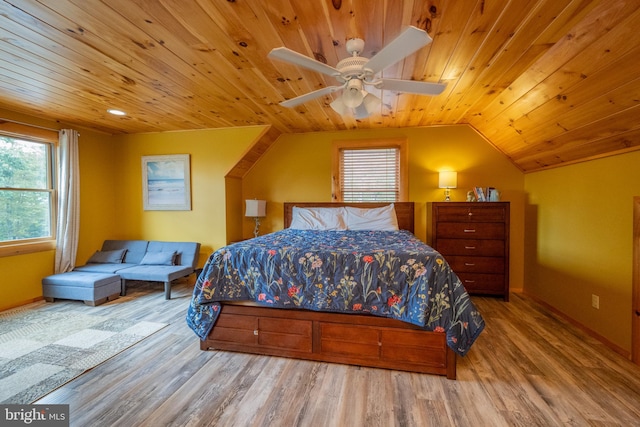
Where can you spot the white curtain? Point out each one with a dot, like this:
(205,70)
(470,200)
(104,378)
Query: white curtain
(68,201)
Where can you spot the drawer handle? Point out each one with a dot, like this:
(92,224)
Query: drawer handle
(469,264)
(469,230)
(469,281)
(469,247)
(255,332)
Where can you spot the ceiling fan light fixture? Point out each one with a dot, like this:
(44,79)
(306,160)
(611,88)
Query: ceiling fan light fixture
(339,107)
(371,103)
(356,71)
(353,94)
(360,112)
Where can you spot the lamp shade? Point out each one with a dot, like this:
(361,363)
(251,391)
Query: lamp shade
(448,179)
(339,107)
(352,95)
(370,103)
(368,106)
(256,208)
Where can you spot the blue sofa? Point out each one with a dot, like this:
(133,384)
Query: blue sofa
(124,260)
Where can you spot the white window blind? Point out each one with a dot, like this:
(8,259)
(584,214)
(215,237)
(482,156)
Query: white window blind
(370,175)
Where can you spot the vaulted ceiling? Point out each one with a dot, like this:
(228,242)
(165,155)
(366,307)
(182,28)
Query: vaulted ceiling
(547,82)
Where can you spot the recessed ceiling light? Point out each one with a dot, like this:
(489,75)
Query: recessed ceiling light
(116,112)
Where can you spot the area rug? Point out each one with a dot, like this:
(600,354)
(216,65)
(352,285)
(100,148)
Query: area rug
(41,349)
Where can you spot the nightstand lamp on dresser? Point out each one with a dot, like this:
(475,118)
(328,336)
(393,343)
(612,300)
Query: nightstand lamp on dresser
(474,239)
(447,180)
(256,209)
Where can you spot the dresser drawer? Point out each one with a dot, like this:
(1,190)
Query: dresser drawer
(360,341)
(460,230)
(479,213)
(477,282)
(266,331)
(285,333)
(401,346)
(466,264)
(469,247)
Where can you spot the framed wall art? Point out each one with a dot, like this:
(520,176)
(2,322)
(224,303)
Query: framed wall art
(166,183)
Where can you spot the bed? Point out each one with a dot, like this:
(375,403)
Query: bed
(345,293)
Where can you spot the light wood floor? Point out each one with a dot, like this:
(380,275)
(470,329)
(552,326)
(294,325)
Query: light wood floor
(528,368)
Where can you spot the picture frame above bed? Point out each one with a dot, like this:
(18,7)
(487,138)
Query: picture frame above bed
(166,183)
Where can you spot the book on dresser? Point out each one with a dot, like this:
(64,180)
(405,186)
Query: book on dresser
(474,239)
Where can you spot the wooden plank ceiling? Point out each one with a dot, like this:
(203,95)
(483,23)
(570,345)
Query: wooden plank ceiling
(548,82)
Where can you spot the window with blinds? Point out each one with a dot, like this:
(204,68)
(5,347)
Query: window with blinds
(370,175)
(372,170)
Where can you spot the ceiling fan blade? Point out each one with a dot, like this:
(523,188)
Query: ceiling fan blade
(288,55)
(309,96)
(405,44)
(411,86)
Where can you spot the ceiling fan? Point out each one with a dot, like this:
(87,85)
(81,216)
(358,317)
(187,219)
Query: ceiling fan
(355,72)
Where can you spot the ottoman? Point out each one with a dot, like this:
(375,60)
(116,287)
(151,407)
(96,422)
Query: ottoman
(92,288)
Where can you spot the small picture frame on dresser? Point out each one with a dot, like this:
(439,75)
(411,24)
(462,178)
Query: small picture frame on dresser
(479,192)
(493,195)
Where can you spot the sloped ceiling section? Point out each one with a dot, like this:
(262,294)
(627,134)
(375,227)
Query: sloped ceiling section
(262,143)
(548,82)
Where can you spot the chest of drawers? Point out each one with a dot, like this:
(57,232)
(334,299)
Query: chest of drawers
(474,239)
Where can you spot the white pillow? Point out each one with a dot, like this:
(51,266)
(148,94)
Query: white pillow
(383,218)
(318,219)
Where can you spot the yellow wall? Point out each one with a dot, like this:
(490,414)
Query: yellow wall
(21,277)
(579,241)
(212,154)
(298,168)
(98,195)
(235,209)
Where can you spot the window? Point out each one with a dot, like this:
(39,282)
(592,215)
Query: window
(370,171)
(27,192)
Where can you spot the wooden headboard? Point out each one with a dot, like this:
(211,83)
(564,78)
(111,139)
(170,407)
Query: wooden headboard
(404,210)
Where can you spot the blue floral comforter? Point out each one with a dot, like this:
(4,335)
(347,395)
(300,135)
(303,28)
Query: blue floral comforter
(384,273)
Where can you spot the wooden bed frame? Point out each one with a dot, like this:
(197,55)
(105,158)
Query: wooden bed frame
(352,339)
